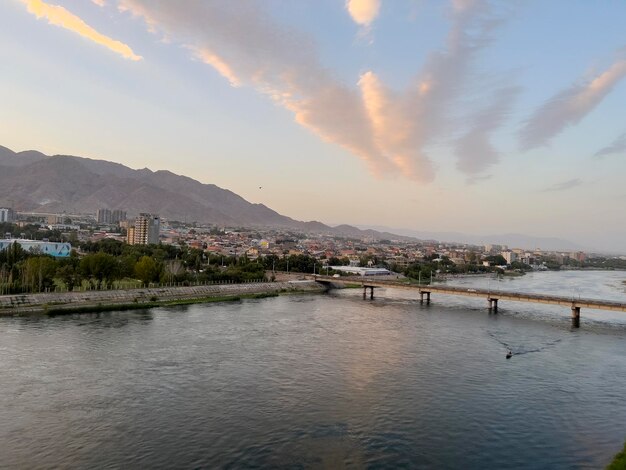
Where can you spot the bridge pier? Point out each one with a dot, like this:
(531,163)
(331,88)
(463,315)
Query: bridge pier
(575,316)
(425,291)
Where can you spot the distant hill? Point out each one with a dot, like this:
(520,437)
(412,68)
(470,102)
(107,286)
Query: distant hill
(512,240)
(37,182)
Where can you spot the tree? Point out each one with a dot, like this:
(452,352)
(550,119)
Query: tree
(521,266)
(100,267)
(367,261)
(419,271)
(173,270)
(334,261)
(69,275)
(13,254)
(147,270)
(38,273)
(496,260)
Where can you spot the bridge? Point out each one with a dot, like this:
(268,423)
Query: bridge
(492,296)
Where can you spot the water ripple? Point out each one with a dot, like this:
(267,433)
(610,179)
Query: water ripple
(309,382)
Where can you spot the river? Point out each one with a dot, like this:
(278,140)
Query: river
(321,381)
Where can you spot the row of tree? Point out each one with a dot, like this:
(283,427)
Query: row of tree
(107,264)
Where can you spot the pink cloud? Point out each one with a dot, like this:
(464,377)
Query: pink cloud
(389,131)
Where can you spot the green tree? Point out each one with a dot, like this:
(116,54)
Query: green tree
(13,254)
(147,270)
(521,266)
(496,260)
(38,273)
(420,271)
(100,268)
(69,275)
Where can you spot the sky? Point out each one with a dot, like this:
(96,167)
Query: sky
(466,115)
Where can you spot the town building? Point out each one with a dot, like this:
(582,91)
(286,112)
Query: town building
(118,216)
(145,230)
(362,271)
(103,216)
(6,214)
(108,216)
(509,256)
(44,247)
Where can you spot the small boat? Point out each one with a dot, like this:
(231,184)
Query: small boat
(509,354)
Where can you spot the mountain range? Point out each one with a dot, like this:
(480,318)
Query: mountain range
(512,240)
(33,181)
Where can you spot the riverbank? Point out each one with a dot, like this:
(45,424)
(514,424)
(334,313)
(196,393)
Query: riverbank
(107,300)
(619,462)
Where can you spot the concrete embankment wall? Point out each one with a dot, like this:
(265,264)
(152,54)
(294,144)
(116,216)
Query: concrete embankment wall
(20,304)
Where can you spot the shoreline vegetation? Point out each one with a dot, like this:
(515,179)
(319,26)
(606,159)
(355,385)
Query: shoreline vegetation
(619,462)
(153,304)
(54,304)
(110,264)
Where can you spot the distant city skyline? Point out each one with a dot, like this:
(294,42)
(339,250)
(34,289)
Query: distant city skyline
(466,116)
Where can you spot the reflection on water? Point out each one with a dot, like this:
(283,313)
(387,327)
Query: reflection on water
(313,381)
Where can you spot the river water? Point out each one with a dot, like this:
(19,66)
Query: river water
(321,381)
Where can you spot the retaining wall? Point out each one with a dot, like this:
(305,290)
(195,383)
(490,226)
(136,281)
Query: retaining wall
(19,304)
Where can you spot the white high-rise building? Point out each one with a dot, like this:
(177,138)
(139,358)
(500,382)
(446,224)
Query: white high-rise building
(509,256)
(6,214)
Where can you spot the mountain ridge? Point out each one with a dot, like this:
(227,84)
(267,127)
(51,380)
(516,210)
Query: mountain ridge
(34,181)
(512,240)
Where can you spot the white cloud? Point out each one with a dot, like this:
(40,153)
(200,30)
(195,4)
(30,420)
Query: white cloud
(363,12)
(474,150)
(570,106)
(617,146)
(471,180)
(563,186)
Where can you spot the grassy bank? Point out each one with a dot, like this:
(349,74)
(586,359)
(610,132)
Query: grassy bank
(54,311)
(619,462)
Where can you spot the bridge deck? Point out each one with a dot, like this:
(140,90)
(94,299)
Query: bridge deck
(482,293)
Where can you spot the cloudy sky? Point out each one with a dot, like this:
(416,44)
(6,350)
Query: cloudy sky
(468,115)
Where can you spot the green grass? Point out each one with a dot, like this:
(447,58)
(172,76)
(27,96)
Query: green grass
(619,462)
(513,274)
